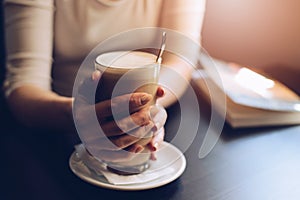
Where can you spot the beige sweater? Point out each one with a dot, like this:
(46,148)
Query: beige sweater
(46,40)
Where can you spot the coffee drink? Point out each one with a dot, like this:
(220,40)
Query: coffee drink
(126,72)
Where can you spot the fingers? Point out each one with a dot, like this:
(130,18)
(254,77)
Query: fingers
(121,155)
(137,119)
(120,142)
(135,100)
(121,104)
(155,142)
(126,140)
(125,104)
(158,116)
(126,131)
(92,128)
(157,139)
(121,132)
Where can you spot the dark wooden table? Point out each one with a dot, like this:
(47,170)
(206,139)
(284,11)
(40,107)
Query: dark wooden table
(254,164)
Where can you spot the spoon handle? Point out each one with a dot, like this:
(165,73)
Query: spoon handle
(162,47)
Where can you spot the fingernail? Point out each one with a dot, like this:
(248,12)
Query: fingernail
(139,149)
(155,145)
(160,92)
(157,126)
(153,148)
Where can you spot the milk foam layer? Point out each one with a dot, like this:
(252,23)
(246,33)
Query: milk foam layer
(125,59)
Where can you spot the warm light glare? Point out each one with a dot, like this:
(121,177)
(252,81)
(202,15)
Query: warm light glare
(253,81)
(297,107)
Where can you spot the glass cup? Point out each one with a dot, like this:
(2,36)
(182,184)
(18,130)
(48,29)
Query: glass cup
(125,72)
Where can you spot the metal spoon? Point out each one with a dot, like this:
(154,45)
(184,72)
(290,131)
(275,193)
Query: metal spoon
(162,48)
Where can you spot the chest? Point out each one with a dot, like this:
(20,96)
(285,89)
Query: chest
(81,25)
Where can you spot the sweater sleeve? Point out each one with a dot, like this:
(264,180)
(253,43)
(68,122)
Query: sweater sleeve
(184,16)
(29,43)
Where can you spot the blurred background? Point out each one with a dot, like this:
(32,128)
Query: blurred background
(256,33)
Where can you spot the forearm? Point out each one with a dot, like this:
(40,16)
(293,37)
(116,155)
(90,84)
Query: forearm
(175,77)
(29,47)
(186,18)
(35,107)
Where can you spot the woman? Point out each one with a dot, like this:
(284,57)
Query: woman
(46,41)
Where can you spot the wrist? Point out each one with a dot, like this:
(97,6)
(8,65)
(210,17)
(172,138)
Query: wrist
(66,105)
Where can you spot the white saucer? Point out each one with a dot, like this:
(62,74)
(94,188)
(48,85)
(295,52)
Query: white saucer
(167,156)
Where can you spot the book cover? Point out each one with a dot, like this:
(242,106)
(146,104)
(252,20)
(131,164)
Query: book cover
(250,98)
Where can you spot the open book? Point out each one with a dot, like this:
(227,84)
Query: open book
(250,99)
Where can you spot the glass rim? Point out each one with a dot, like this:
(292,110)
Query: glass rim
(110,64)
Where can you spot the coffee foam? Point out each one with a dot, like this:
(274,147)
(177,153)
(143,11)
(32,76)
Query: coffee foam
(126,60)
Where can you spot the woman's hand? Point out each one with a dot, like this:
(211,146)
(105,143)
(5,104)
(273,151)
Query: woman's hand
(109,137)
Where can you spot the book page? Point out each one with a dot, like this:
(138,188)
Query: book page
(249,88)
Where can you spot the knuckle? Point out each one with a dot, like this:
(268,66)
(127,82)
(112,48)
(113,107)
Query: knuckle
(115,146)
(134,97)
(118,143)
(142,118)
